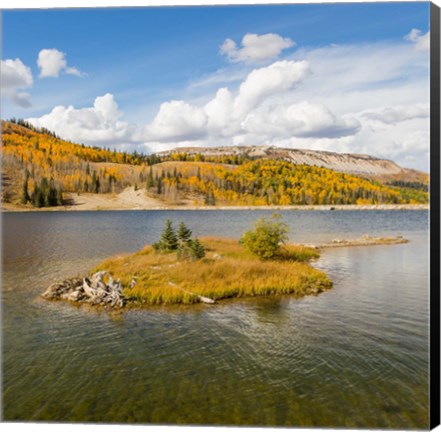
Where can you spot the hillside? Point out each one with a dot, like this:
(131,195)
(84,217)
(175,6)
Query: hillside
(357,164)
(42,170)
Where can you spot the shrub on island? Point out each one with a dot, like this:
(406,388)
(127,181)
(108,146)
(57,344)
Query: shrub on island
(266,239)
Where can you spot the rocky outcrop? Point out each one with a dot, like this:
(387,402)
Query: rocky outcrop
(358,164)
(91,290)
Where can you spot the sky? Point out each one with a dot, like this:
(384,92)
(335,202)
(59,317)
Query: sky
(350,78)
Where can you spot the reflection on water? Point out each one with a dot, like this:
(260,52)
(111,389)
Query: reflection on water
(355,356)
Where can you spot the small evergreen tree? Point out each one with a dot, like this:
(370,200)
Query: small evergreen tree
(191,250)
(25,194)
(52,194)
(182,243)
(184,233)
(95,186)
(197,249)
(159,186)
(150,179)
(37,197)
(169,241)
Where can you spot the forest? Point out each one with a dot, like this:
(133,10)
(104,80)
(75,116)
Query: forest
(41,169)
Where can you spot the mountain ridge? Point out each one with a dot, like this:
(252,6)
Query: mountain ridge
(351,163)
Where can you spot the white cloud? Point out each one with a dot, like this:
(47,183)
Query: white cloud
(177,121)
(255,48)
(303,119)
(420,39)
(406,143)
(219,111)
(220,77)
(52,62)
(268,81)
(16,77)
(333,98)
(396,114)
(97,125)
(223,116)
(391,102)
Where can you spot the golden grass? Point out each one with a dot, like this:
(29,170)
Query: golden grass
(227,271)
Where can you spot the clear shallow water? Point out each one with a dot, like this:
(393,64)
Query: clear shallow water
(354,356)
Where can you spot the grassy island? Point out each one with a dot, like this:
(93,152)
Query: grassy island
(227,270)
(181,269)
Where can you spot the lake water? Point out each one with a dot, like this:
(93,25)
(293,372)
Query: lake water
(355,356)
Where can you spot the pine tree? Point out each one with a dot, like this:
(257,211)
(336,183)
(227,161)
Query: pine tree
(37,197)
(169,241)
(95,183)
(25,194)
(159,186)
(184,233)
(52,193)
(197,249)
(150,180)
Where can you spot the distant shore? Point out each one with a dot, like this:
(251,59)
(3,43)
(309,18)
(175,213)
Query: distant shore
(131,199)
(12,208)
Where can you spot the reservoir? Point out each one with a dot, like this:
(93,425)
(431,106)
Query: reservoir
(354,356)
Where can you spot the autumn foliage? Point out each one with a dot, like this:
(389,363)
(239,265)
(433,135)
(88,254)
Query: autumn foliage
(46,170)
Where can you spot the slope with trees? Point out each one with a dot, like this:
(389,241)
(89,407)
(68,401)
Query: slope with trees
(42,170)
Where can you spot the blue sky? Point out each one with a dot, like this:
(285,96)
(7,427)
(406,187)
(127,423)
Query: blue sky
(156,70)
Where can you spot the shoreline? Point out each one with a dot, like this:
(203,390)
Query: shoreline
(10,208)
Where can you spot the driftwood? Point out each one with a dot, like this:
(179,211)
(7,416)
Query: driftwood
(88,290)
(201,298)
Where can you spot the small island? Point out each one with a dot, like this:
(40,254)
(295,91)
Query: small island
(180,269)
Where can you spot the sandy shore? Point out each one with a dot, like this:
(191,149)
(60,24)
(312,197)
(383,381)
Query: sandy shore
(129,199)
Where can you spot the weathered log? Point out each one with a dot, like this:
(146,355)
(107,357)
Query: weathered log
(91,290)
(202,299)
(97,277)
(59,288)
(206,300)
